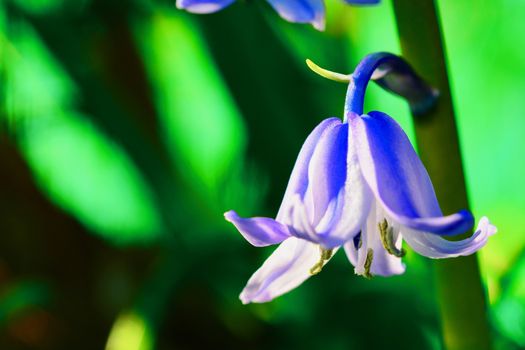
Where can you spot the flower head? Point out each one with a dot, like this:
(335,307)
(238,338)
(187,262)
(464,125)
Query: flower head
(297,11)
(360,185)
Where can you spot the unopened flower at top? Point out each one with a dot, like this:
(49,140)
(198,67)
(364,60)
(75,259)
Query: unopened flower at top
(297,11)
(356,184)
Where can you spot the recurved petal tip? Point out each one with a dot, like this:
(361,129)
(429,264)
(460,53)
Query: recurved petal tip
(486,226)
(259,231)
(319,23)
(243,299)
(433,246)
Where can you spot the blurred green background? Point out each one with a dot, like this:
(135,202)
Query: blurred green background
(128,127)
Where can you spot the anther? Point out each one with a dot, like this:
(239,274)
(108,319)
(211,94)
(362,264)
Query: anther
(368,263)
(387,238)
(325,255)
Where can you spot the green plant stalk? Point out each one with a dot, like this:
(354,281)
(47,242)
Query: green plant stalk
(459,288)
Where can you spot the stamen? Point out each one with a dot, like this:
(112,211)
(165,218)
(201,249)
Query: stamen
(387,238)
(325,73)
(325,255)
(368,263)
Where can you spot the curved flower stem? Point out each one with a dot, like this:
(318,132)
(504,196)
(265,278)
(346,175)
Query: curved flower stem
(459,287)
(394,74)
(355,97)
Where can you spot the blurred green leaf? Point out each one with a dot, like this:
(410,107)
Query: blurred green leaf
(77,166)
(203,127)
(91,177)
(19,297)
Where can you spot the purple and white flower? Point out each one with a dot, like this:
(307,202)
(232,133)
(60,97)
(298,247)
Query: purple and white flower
(357,184)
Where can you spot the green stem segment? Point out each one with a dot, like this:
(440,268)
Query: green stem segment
(460,291)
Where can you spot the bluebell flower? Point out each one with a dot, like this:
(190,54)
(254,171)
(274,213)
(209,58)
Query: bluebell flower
(357,184)
(297,11)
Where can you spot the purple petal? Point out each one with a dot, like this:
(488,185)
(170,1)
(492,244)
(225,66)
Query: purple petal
(363,2)
(260,232)
(301,11)
(203,6)
(398,179)
(347,213)
(336,199)
(326,171)
(301,226)
(433,246)
(285,269)
(298,182)
(449,225)
(383,263)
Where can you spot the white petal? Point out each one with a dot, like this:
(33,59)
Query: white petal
(433,246)
(344,219)
(287,267)
(383,263)
(299,221)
